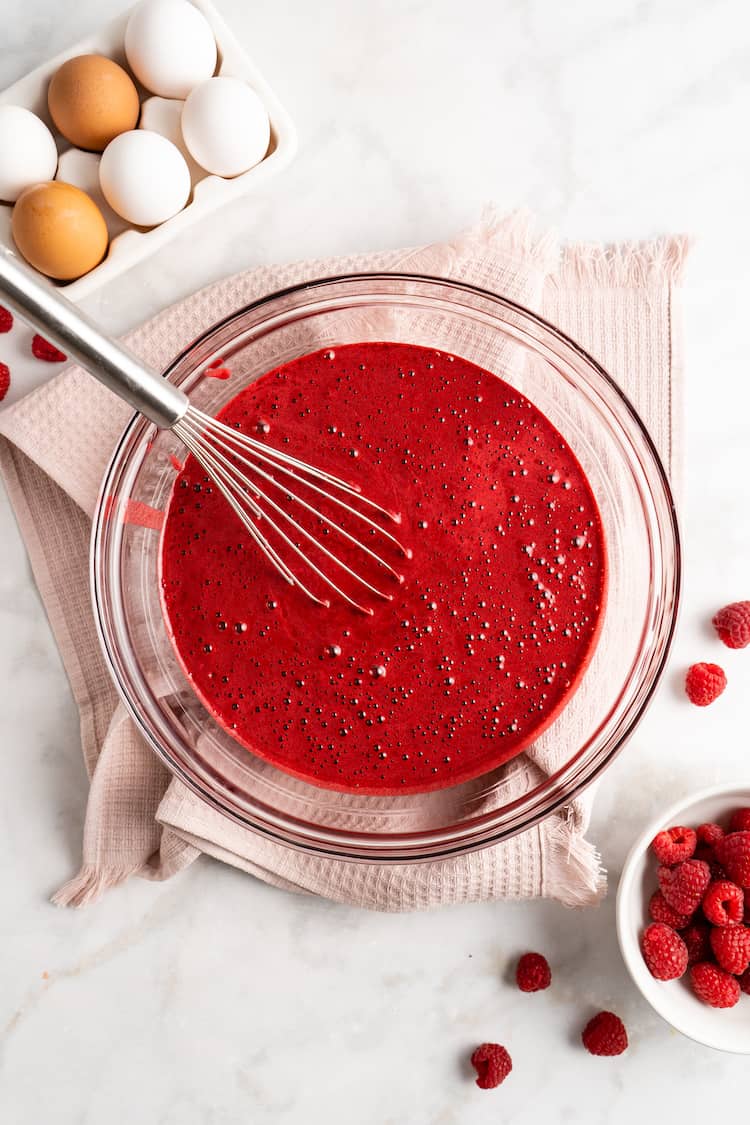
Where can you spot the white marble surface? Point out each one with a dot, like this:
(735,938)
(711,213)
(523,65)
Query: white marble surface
(214,999)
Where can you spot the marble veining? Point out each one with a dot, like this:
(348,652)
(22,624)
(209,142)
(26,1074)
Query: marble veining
(215,999)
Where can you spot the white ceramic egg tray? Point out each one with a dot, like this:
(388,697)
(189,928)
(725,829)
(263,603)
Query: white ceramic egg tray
(127,247)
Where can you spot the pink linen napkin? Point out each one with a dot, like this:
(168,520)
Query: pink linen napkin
(618,301)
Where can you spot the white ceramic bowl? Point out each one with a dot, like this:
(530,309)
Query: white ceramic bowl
(726,1029)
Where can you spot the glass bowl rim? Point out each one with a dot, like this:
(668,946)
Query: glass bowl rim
(411,847)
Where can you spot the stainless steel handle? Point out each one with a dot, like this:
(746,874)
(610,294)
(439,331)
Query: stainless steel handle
(65,325)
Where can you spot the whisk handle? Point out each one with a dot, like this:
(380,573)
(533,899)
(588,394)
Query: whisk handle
(60,321)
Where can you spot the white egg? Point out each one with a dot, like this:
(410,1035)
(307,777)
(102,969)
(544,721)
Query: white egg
(170,47)
(144,177)
(28,154)
(225,126)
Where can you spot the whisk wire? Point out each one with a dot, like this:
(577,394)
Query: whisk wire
(212,444)
(279,460)
(228,489)
(221,470)
(259,447)
(290,495)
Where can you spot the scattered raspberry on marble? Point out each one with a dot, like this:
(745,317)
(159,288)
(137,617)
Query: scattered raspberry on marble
(42,349)
(664,952)
(605,1035)
(732,623)
(660,911)
(4,380)
(6,319)
(684,886)
(731,946)
(704,683)
(733,853)
(533,973)
(740,821)
(492,1063)
(744,982)
(724,903)
(714,986)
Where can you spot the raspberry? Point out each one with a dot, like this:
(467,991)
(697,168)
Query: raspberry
(704,683)
(732,623)
(492,1063)
(659,910)
(708,856)
(713,986)
(42,349)
(709,833)
(673,845)
(724,903)
(684,886)
(696,938)
(605,1034)
(740,821)
(733,853)
(533,973)
(6,319)
(4,380)
(731,946)
(744,982)
(664,952)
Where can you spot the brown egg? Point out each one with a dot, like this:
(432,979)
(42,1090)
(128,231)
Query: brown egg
(91,100)
(59,230)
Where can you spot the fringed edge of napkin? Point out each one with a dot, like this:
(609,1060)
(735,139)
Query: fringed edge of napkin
(622,265)
(512,238)
(92,880)
(571,862)
(515,235)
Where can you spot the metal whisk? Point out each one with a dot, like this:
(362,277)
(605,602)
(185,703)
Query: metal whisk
(267,489)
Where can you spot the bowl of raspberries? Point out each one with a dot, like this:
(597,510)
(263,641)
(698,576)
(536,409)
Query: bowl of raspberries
(683,917)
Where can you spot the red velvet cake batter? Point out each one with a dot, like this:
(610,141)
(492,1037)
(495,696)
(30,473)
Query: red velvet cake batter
(489,633)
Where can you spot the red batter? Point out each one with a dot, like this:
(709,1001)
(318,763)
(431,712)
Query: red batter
(486,638)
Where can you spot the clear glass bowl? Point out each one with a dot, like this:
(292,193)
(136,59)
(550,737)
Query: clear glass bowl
(637,509)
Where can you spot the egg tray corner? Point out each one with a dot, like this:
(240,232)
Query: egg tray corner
(209,193)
